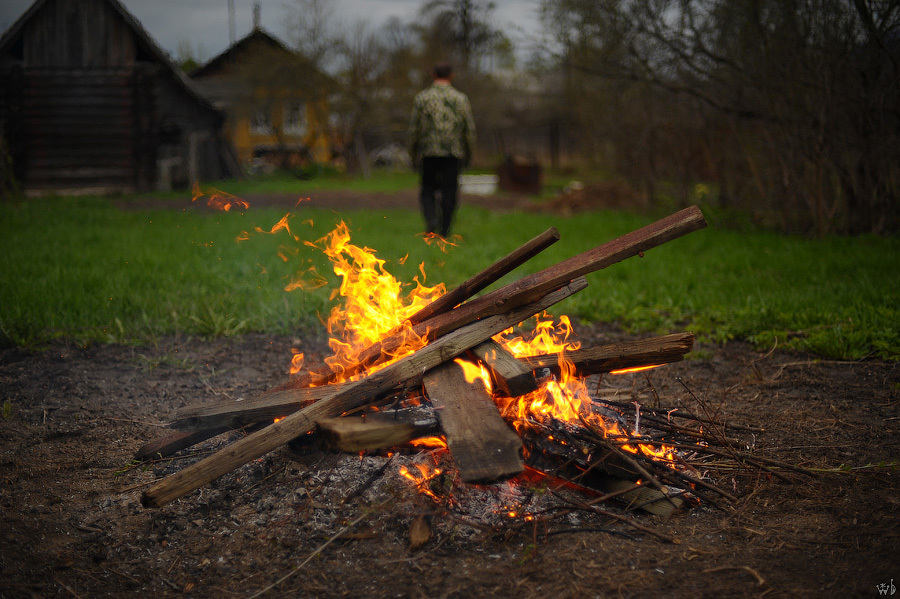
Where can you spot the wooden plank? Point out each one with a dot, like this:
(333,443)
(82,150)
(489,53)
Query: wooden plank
(235,414)
(483,447)
(352,396)
(175,442)
(631,244)
(509,376)
(377,431)
(654,501)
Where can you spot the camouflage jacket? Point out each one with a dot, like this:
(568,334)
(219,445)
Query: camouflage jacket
(441,124)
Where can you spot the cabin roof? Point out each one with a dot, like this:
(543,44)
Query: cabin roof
(144,40)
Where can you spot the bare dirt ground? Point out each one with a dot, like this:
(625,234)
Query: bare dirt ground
(72,525)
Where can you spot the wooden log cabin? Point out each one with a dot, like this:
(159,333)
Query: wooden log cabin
(90,104)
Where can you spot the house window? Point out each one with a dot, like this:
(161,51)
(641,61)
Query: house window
(295,118)
(260,123)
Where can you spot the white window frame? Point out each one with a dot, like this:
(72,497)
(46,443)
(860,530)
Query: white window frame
(260,122)
(294,118)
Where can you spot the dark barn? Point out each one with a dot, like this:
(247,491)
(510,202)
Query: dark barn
(90,104)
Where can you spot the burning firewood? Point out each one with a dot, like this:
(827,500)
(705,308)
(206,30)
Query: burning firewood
(484,447)
(523,291)
(378,430)
(324,373)
(349,397)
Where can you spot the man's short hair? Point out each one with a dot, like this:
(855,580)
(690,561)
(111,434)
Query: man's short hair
(442,70)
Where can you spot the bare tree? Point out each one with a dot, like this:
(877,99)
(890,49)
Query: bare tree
(795,102)
(313,29)
(461,30)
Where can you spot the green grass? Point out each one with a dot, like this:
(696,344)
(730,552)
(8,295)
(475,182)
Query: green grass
(380,181)
(82,270)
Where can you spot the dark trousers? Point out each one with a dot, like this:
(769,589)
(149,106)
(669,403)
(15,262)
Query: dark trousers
(439,175)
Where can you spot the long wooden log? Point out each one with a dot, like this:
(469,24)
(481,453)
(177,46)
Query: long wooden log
(324,374)
(529,288)
(353,395)
(267,406)
(619,356)
(175,442)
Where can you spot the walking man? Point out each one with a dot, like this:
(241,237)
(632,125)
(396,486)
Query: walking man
(441,142)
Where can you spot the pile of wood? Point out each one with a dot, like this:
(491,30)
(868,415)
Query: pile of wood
(483,446)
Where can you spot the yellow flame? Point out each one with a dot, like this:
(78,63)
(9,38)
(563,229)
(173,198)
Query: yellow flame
(443,243)
(373,303)
(475,372)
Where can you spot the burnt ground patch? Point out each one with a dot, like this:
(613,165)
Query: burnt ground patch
(72,523)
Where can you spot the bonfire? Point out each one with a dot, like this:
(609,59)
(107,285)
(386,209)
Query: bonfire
(494,388)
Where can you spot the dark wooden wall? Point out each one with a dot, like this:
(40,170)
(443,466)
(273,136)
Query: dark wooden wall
(87,103)
(78,33)
(86,129)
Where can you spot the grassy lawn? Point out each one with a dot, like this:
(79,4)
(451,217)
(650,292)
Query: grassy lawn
(82,270)
(380,181)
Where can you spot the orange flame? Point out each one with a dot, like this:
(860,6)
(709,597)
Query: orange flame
(475,372)
(565,397)
(430,442)
(218,200)
(296,361)
(373,302)
(422,478)
(634,369)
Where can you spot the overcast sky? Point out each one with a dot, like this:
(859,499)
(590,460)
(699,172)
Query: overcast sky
(203,24)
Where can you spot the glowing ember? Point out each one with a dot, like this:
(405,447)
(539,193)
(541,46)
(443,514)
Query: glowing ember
(422,478)
(218,200)
(441,242)
(634,369)
(430,443)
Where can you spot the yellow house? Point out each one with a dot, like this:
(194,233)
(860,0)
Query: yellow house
(275,101)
